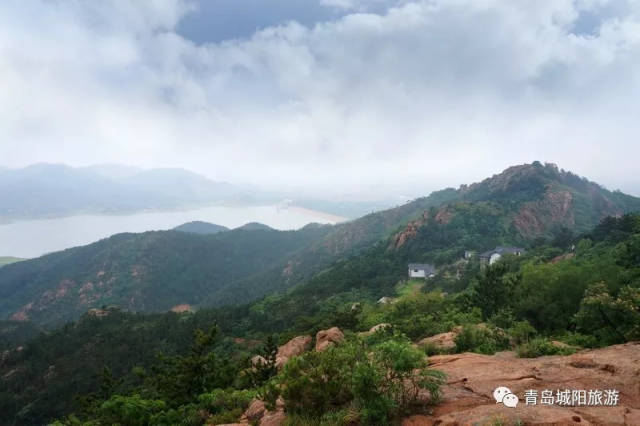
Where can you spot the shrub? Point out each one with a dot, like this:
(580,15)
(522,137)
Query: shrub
(482,339)
(540,347)
(521,331)
(226,406)
(579,339)
(378,380)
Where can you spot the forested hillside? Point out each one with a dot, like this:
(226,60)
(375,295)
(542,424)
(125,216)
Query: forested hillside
(581,291)
(524,205)
(199,227)
(153,271)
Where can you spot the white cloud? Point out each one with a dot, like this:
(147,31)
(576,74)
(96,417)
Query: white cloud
(426,94)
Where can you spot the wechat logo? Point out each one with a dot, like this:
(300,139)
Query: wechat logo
(503,395)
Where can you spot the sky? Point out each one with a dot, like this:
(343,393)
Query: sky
(372,98)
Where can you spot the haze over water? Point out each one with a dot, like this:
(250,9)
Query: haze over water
(34,238)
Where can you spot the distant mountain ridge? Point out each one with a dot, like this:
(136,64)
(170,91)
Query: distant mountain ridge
(46,190)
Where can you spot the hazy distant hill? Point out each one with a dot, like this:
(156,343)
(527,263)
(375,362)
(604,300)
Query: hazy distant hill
(254,226)
(43,190)
(6,260)
(199,227)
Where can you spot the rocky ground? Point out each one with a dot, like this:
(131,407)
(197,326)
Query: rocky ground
(471,379)
(467,397)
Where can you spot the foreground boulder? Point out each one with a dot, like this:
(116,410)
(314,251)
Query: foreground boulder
(294,347)
(327,338)
(467,398)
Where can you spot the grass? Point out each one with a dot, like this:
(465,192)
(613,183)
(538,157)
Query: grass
(8,259)
(410,287)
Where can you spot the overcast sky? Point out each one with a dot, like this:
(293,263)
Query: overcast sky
(371,96)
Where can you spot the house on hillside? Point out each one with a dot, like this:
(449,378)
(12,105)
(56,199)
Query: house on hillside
(492,256)
(421,270)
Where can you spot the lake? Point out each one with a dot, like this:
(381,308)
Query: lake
(32,238)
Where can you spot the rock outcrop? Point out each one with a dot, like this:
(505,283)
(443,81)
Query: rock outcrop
(443,341)
(327,338)
(467,398)
(257,414)
(293,347)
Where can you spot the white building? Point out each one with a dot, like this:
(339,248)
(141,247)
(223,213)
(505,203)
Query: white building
(492,256)
(421,270)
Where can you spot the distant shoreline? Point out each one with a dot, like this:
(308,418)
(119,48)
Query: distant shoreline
(327,216)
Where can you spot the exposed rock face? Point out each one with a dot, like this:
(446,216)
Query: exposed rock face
(444,341)
(471,379)
(410,231)
(537,217)
(257,413)
(185,307)
(447,341)
(293,347)
(443,216)
(258,360)
(326,338)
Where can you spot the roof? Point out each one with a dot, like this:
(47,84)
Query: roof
(503,250)
(423,266)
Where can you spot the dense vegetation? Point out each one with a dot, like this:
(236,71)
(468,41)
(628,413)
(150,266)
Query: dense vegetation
(570,290)
(199,227)
(153,271)
(586,296)
(157,271)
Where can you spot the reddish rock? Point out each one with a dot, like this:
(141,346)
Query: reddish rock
(444,341)
(258,360)
(258,414)
(418,420)
(326,338)
(273,418)
(185,307)
(467,398)
(255,411)
(293,347)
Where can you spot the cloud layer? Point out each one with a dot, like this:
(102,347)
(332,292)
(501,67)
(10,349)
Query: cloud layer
(390,96)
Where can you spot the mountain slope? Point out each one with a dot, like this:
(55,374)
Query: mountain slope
(158,270)
(153,271)
(6,260)
(53,375)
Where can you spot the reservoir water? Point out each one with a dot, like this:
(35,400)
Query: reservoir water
(32,238)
